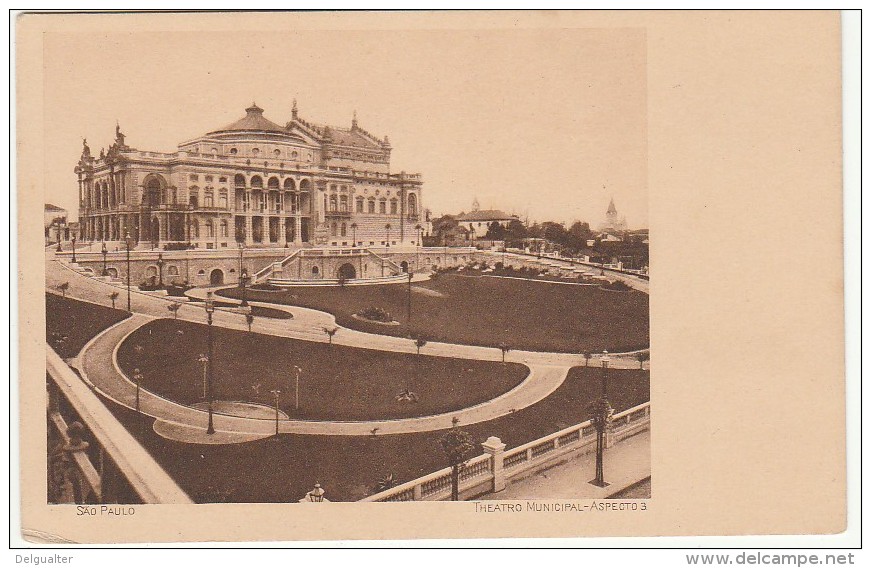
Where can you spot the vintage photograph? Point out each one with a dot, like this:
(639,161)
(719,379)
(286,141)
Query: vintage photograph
(310,266)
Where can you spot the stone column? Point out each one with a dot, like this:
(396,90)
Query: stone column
(297,233)
(496,449)
(249,232)
(282,231)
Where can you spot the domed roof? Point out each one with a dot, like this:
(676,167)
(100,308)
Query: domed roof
(253,120)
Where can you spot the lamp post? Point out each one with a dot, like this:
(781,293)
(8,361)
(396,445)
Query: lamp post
(160,269)
(244,280)
(241,253)
(601,417)
(296,396)
(354,233)
(73,240)
(137,378)
(387,226)
(408,308)
(210,310)
(104,252)
(128,242)
(605,361)
(59,248)
(204,360)
(276,392)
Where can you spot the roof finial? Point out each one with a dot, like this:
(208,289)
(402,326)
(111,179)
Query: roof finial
(354,121)
(293,111)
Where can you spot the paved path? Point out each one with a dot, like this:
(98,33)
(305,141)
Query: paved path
(98,365)
(626,463)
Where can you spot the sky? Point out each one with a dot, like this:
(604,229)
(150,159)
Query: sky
(545,124)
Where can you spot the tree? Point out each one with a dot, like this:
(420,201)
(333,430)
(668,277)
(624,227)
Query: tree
(587,357)
(113,296)
(331,331)
(641,357)
(419,342)
(173,307)
(505,349)
(495,232)
(63,288)
(385,483)
(249,319)
(457,445)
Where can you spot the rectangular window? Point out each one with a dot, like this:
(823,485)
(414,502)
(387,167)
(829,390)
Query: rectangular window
(382,207)
(393,208)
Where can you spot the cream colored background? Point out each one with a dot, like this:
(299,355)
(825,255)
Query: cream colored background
(744,178)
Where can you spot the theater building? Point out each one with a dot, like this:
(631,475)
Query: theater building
(253,182)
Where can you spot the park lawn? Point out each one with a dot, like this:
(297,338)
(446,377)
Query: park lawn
(283,469)
(78,321)
(525,314)
(337,382)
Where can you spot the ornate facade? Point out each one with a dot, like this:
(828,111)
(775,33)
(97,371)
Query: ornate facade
(253,182)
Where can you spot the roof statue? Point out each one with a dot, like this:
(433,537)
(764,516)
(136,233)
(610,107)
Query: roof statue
(612,209)
(86,150)
(475,205)
(294,111)
(354,121)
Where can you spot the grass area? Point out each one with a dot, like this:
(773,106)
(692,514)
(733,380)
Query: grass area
(283,469)
(337,382)
(525,314)
(70,324)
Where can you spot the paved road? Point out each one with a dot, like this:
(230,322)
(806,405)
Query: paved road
(98,365)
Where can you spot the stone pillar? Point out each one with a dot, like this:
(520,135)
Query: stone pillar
(249,232)
(496,449)
(282,231)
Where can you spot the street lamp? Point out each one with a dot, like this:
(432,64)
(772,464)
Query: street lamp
(276,392)
(210,310)
(244,279)
(104,252)
(137,378)
(204,360)
(601,417)
(387,226)
(241,252)
(160,262)
(74,248)
(296,400)
(410,274)
(128,241)
(58,249)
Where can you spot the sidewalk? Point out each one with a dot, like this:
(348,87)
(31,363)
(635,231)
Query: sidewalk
(626,463)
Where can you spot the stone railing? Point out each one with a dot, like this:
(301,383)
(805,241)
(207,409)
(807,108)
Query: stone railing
(490,472)
(92,457)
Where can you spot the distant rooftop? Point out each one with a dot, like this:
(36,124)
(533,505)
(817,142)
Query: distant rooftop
(485,215)
(51,207)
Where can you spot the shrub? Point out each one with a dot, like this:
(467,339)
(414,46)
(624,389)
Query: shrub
(266,287)
(375,314)
(617,286)
(177,289)
(178,246)
(499,266)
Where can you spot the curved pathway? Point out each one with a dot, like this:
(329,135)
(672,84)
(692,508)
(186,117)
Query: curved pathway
(99,367)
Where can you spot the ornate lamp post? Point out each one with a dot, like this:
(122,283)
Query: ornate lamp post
(74,247)
(204,360)
(210,310)
(160,263)
(241,252)
(128,241)
(601,412)
(276,392)
(387,226)
(354,234)
(244,280)
(410,275)
(58,249)
(137,378)
(296,397)
(104,252)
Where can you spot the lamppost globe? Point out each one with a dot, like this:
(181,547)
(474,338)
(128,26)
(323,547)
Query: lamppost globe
(316,495)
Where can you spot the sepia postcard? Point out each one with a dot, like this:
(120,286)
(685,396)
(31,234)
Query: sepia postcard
(429,275)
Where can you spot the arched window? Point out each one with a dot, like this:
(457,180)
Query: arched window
(289,185)
(294,154)
(257,181)
(371,205)
(234,151)
(272,183)
(210,228)
(305,185)
(333,203)
(382,206)
(239,180)
(209,198)
(412,204)
(333,229)
(344,231)
(224,228)
(195,229)
(276,152)
(222,199)
(194,198)
(393,206)
(343,203)
(359,201)
(255,151)
(315,271)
